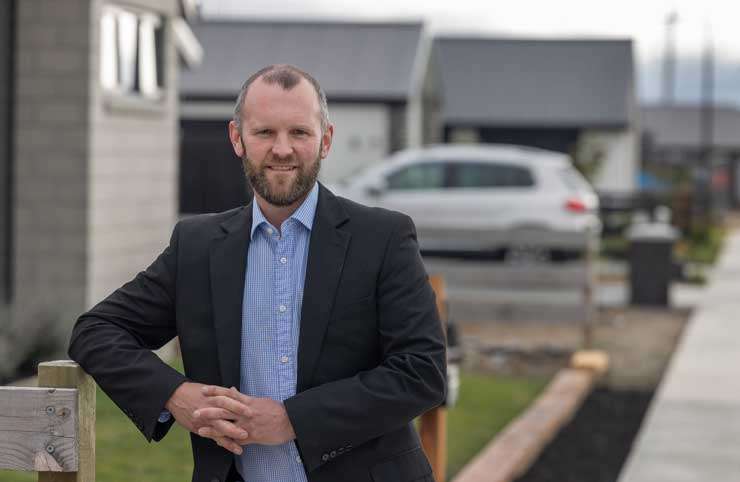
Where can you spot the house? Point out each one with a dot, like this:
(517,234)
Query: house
(376,76)
(672,136)
(88,155)
(573,96)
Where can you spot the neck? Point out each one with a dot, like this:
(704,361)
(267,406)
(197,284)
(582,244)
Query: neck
(276,215)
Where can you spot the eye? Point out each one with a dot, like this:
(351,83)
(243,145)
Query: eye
(263,132)
(300,132)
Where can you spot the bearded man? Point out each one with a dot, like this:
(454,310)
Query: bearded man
(307,325)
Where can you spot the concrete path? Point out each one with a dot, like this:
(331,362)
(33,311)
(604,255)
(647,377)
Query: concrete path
(692,430)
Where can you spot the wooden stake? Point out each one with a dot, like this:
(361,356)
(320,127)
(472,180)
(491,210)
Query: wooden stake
(433,424)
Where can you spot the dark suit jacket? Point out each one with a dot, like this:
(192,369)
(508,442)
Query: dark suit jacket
(371,353)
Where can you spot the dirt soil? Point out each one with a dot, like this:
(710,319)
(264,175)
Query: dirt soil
(639,342)
(595,444)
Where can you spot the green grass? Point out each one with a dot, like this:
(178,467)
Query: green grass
(485,405)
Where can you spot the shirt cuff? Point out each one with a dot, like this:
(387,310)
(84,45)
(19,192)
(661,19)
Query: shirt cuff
(164,417)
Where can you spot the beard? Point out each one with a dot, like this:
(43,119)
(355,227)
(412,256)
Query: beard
(277,192)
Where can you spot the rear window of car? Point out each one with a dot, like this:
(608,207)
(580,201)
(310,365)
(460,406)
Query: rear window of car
(488,174)
(430,175)
(574,180)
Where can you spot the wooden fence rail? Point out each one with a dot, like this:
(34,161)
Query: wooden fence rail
(50,429)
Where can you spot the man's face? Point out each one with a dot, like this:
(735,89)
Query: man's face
(280,142)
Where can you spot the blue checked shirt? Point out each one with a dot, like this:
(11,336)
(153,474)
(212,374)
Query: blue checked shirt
(271,314)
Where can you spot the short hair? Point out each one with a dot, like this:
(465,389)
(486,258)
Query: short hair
(287,77)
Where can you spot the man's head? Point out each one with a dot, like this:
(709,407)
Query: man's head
(281,131)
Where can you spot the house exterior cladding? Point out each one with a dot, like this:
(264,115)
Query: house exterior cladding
(88,156)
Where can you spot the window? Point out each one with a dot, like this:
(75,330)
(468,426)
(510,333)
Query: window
(418,176)
(574,181)
(488,174)
(131,53)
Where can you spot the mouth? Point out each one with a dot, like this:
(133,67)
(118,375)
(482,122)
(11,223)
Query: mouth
(282,168)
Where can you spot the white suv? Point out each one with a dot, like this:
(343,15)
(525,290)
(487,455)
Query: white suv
(484,199)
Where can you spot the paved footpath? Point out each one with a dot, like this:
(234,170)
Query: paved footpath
(692,430)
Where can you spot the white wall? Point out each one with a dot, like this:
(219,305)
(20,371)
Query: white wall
(361,137)
(618,170)
(133,171)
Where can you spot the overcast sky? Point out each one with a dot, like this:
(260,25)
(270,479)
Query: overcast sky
(641,20)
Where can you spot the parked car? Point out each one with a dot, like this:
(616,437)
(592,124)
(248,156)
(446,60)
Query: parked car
(512,201)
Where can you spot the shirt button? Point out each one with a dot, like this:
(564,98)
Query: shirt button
(284,359)
(282,308)
(298,459)
(269,230)
(283,260)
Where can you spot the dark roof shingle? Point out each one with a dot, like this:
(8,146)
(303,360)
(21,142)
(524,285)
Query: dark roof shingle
(364,61)
(680,125)
(533,82)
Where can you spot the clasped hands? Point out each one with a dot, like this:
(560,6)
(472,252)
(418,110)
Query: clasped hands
(229,417)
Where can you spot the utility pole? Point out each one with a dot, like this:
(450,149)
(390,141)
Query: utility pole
(669,59)
(706,126)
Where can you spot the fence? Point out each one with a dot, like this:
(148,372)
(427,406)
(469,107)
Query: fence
(50,429)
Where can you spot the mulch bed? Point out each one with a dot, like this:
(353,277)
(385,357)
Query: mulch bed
(595,444)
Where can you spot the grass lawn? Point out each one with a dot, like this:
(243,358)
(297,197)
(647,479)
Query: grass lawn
(485,405)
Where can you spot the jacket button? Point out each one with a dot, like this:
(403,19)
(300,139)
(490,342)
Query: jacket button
(325,457)
(333,454)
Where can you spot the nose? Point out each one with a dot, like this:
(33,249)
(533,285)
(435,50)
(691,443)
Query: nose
(282,148)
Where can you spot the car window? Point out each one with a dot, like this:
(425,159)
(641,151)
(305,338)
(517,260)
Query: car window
(574,180)
(429,175)
(488,174)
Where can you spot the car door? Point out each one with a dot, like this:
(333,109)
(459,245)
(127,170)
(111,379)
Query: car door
(490,199)
(419,190)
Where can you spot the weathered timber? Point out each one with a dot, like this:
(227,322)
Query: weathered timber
(38,427)
(67,374)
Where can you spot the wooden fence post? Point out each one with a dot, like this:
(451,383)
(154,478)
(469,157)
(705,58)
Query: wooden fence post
(433,424)
(67,374)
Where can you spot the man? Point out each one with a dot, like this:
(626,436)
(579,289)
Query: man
(318,309)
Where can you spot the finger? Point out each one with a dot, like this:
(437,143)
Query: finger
(229,445)
(226,442)
(205,415)
(215,391)
(231,405)
(222,428)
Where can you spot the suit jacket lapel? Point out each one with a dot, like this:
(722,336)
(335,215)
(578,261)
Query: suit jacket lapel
(228,267)
(326,252)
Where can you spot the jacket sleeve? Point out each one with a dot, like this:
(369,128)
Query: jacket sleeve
(113,342)
(410,379)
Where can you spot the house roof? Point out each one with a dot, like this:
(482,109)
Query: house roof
(680,125)
(357,61)
(535,82)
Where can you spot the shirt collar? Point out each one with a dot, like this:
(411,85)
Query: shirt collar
(304,214)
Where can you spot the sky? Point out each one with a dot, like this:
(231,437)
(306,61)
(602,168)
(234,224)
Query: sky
(641,20)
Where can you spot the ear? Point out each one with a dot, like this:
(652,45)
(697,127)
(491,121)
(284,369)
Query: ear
(235,137)
(326,141)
